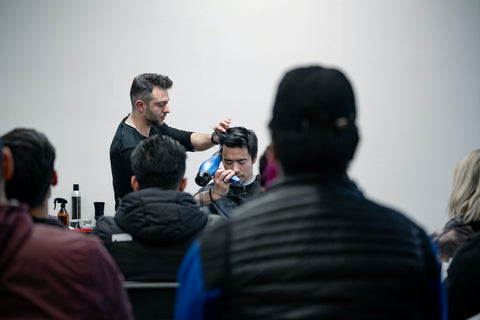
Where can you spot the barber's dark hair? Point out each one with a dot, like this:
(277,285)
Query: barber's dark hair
(143,85)
(313,123)
(239,137)
(33,156)
(159,161)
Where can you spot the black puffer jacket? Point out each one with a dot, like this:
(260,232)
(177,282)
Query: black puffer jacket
(315,248)
(151,232)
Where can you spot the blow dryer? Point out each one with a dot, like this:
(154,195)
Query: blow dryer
(207,171)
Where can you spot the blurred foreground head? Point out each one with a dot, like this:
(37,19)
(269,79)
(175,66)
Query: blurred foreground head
(34,173)
(313,122)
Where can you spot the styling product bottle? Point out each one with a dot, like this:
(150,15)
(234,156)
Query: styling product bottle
(76,203)
(62,214)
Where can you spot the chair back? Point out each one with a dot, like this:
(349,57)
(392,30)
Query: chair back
(151,300)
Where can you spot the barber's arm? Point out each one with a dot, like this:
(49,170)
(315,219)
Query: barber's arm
(203,141)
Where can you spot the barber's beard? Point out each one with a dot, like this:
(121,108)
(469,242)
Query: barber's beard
(151,119)
(152,122)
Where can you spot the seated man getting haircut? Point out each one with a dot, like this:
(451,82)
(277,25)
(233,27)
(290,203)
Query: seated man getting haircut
(239,148)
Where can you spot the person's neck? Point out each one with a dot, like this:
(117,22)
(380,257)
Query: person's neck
(40,211)
(136,121)
(249,181)
(3,197)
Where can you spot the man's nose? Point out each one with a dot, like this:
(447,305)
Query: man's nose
(166,109)
(236,167)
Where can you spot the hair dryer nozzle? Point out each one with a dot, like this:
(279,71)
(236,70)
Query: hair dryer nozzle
(203,178)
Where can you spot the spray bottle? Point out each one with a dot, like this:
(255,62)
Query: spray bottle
(62,214)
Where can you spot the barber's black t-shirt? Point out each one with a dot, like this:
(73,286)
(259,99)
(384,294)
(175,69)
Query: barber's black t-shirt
(125,140)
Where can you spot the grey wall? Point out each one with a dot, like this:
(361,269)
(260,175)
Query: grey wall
(67,66)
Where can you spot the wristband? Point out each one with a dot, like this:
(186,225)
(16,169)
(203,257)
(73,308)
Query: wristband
(210,193)
(211,138)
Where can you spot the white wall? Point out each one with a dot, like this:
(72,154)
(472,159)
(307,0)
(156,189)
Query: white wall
(67,66)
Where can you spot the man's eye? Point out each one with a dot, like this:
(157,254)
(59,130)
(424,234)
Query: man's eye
(228,162)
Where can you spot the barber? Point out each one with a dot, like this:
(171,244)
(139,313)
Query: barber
(150,106)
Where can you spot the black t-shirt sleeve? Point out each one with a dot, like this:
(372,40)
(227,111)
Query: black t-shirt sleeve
(181,136)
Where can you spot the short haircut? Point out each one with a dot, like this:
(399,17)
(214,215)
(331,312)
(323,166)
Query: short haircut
(239,137)
(143,85)
(465,195)
(313,123)
(159,161)
(34,157)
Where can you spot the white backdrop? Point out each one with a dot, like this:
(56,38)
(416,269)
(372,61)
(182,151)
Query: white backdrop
(67,67)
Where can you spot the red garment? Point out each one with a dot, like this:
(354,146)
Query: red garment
(52,273)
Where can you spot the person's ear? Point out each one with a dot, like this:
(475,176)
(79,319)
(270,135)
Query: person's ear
(183,184)
(7,164)
(134,183)
(54,178)
(255,158)
(140,105)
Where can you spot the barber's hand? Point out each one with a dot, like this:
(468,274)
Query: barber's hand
(221,185)
(221,127)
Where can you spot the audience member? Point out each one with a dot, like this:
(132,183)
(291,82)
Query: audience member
(34,172)
(269,169)
(239,148)
(312,247)
(52,273)
(154,225)
(150,106)
(463,280)
(463,207)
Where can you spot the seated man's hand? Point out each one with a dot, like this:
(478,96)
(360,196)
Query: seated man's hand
(220,183)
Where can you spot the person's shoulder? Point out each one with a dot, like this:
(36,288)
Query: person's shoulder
(470,248)
(49,221)
(215,234)
(125,137)
(119,130)
(105,225)
(54,241)
(256,188)
(388,215)
(156,129)
(465,261)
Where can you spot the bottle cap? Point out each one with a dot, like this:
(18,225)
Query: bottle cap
(75,187)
